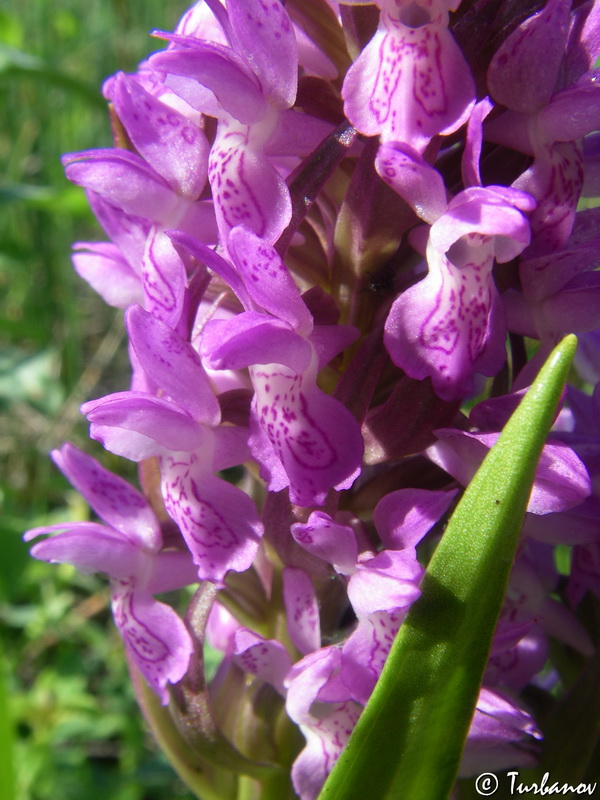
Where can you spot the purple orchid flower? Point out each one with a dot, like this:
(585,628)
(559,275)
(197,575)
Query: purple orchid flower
(143,193)
(549,112)
(302,438)
(218,521)
(450,325)
(251,88)
(129,549)
(411,81)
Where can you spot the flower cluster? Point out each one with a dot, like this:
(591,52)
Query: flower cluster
(324,220)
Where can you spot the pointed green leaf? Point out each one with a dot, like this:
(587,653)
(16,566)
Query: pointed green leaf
(408,741)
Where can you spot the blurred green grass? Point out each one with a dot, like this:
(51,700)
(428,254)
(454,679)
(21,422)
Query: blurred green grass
(69,727)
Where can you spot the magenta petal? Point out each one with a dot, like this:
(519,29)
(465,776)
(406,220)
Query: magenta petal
(266,658)
(163,278)
(172,144)
(409,84)
(172,363)
(153,418)
(218,521)
(314,438)
(154,635)
(501,735)
(524,70)
(403,517)
(124,179)
(470,160)
(327,539)
(253,338)
(247,189)
(220,70)
(91,548)
(213,261)
(329,340)
(387,582)
(448,327)
(561,480)
(173,569)
(111,497)
(575,111)
(265,36)
(102,265)
(365,652)
(268,280)
(302,610)
(416,181)
(325,739)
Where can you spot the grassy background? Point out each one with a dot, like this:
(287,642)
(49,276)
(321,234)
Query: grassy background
(69,727)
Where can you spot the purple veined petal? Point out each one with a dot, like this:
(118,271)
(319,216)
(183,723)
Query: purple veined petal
(575,111)
(219,69)
(102,265)
(450,325)
(163,278)
(111,497)
(266,658)
(403,517)
(247,189)
(125,180)
(501,735)
(524,70)
(253,338)
(315,438)
(264,35)
(268,280)
(90,547)
(218,521)
(326,729)
(307,678)
(470,160)
(173,145)
(387,582)
(409,84)
(172,363)
(154,635)
(158,421)
(329,540)
(410,176)
(301,609)
(365,651)
(325,740)
(555,179)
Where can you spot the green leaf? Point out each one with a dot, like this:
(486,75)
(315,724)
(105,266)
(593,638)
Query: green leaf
(408,741)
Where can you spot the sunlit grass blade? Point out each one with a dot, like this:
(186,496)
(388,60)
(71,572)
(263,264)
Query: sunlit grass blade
(409,740)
